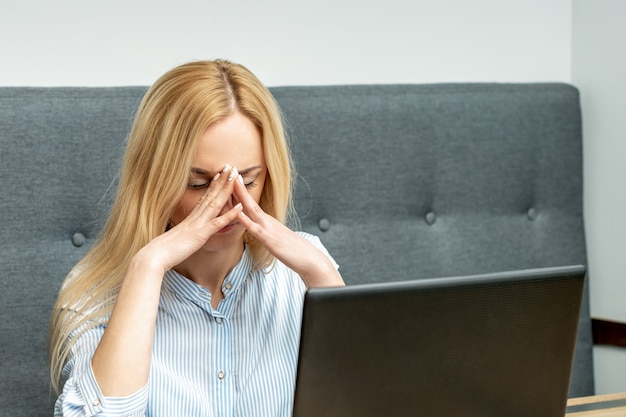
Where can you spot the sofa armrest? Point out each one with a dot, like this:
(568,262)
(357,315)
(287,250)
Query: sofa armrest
(608,332)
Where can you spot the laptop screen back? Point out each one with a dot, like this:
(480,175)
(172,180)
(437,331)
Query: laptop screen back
(489,345)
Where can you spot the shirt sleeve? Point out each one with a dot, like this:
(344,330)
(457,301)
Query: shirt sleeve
(81,394)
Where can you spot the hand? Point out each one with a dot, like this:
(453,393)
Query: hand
(293,250)
(182,240)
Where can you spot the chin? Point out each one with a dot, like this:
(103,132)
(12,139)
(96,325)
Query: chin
(226,238)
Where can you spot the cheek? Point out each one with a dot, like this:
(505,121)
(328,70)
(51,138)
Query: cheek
(256,193)
(184,207)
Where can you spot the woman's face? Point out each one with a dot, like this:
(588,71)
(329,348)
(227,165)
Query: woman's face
(235,141)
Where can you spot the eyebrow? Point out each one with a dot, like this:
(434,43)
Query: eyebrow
(246,171)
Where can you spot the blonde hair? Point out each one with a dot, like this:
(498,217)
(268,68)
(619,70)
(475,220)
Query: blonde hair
(173,114)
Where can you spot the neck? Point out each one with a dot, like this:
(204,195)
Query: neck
(210,268)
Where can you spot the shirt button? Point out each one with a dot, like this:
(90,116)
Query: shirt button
(228,285)
(221,374)
(218,320)
(96,402)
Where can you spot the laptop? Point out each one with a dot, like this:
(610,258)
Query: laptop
(486,345)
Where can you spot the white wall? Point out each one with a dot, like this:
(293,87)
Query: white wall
(599,70)
(115,42)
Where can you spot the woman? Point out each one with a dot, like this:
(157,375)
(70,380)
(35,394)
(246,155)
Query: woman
(190,302)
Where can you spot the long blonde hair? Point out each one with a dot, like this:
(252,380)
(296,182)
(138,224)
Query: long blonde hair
(173,114)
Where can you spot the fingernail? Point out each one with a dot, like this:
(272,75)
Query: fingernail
(216,177)
(226,169)
(240,178)
(233,174)
(238,206)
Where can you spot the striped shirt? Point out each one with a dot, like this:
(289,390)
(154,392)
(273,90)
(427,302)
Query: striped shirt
(237,360)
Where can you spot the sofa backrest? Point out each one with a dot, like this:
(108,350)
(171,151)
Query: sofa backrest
(399,181)
(419,181)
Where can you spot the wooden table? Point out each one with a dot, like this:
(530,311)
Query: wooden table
(608,405)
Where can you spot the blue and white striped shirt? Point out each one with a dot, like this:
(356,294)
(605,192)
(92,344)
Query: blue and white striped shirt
(237,360)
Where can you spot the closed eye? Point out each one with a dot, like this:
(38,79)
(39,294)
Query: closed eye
(249,184)
(201,179)
(198,186)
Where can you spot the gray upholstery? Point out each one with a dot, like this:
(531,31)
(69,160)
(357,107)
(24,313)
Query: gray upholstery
(399,181)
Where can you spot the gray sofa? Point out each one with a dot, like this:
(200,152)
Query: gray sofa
(399,181)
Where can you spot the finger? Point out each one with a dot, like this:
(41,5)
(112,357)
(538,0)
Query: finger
(251,226)
(219,191)
(225,219)
(250,206)
(272,234)
(212,191)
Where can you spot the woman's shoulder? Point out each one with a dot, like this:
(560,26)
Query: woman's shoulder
(309,237)
(313,239)
(317,242)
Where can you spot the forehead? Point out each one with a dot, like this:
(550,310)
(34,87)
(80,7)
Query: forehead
(234,140)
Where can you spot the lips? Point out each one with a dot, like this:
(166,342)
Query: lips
(228,228)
